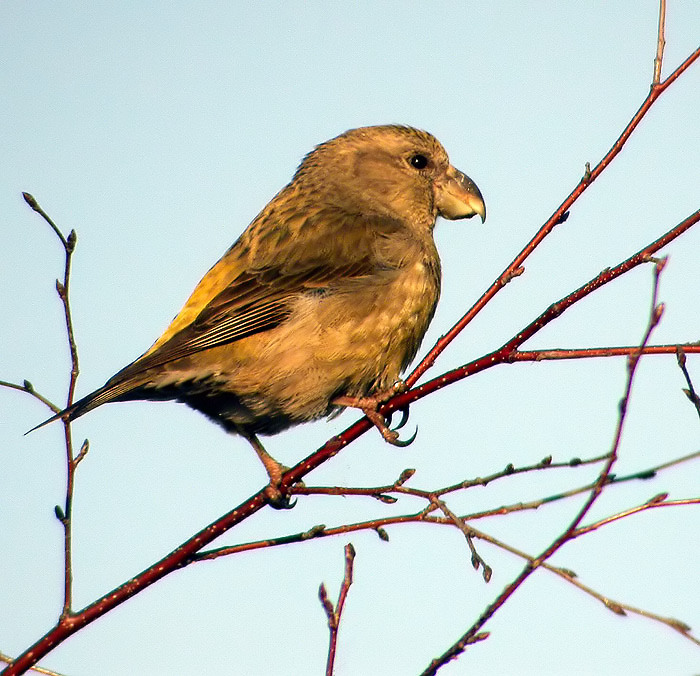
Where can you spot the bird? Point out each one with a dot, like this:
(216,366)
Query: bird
(323,300)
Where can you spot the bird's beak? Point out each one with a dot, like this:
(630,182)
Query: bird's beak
(456,196)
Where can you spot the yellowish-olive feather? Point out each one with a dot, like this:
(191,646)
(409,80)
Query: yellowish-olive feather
(327,293)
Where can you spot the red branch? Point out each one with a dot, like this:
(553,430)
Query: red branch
(569,533)
(559,215)
(593,352)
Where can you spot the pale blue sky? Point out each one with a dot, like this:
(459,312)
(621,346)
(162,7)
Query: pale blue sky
(158,131)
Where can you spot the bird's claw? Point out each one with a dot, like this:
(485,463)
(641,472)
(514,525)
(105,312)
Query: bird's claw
(369,406)
(404,419)
(278,500)
(392,437)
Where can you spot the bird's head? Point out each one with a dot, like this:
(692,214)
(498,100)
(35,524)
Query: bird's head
(393,171)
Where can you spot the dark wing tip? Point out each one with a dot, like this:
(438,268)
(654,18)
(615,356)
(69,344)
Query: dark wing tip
(80,407)
(53,418)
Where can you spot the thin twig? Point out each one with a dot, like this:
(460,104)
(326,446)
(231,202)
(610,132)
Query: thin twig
(39,670)
(598,352)
(381,492)
(27,387)
(477,560)
(620,608)
(320,530)
(65,513)
(29,199)
(569,576)
(655,502)
(334,614)
(690,392)
(456,648)
(660,44)
(555,219)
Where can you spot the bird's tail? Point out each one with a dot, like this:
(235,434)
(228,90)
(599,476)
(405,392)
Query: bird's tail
(108,392)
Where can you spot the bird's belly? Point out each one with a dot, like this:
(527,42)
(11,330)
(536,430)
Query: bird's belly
(348,343)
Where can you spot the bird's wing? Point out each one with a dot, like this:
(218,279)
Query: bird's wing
(253,303)
(252,287)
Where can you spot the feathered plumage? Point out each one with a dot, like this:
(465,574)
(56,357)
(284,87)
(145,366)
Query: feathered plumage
(326,295)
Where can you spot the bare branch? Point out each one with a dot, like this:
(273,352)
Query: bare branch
(660,44)
(617,607)
(477,560)
(27,387)
(598,352)
(657,501)
(334,614)
(690,392)
(534,564)
(423,516)
(62,288)
(555,219)
(35,669)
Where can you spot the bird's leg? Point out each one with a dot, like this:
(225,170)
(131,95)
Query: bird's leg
(369,406)
(274,470)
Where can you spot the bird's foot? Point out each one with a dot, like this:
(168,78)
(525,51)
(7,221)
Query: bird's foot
(399,387)
(276,498)
(370,405)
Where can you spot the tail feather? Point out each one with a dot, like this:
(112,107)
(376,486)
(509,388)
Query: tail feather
(106,393)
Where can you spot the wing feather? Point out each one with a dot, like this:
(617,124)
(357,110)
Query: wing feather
(254,303)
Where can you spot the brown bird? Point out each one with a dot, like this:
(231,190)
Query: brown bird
(321,303)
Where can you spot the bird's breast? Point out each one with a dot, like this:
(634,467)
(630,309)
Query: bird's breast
(351,339)
(360,337)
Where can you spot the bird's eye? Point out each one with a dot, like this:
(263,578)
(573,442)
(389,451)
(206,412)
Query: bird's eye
(418,161)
